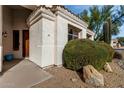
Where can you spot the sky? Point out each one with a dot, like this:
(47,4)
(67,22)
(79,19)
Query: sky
(79,8)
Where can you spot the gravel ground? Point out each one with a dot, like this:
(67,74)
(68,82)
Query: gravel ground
(65,78)
(115,79)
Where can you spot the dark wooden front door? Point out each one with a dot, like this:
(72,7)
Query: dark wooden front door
(25,43)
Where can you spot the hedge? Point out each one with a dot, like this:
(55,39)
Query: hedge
(109,49)
(80,52)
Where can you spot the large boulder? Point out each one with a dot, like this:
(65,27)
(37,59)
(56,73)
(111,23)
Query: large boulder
(92,76)
(107,67)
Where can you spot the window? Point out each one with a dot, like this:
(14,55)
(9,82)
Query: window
(72,34)
(15,40)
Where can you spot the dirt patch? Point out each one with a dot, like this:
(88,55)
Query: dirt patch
(115,79)
(63,78)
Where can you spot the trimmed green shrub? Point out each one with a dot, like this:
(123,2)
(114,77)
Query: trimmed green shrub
(81,52)
(109,49)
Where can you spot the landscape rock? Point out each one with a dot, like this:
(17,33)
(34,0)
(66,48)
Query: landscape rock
(73,79)
(92,76)
(107,67)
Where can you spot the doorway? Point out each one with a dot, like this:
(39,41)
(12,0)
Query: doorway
(25,38)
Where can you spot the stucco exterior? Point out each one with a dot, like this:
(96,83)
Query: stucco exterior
(48,32)
(62,22)
(91,34)
(35,43)
(19,23)
(13,19)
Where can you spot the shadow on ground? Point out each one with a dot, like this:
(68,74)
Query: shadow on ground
(8,65)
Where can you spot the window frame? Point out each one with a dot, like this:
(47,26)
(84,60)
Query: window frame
(73,35)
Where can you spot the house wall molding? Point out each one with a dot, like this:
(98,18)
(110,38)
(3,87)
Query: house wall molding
(90,32)
(66,14)
(39,13)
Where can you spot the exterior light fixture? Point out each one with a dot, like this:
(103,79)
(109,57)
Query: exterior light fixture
(4,34)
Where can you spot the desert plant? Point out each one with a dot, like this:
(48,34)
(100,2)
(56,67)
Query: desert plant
(110,29)
(95,16)
(107,31)
(109,49)
(78,53)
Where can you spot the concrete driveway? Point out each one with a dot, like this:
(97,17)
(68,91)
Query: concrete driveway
(23,75)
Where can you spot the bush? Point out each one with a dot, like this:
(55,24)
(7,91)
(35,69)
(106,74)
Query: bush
(109,49)
(78,53)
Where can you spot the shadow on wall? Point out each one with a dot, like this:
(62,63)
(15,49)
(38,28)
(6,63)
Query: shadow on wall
(63,58)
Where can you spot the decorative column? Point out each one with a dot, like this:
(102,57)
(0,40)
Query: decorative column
(84,33)
(1,29)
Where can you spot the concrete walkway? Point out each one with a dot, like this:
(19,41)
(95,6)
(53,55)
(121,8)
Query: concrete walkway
(24,75)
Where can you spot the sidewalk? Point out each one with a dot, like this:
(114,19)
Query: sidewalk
(23,75)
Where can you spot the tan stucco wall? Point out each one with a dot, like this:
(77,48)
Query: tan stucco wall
(19,19)
(7,27)
(13,20)
(62,36)
(49,35)
(19,23)
(48,52)
(35,33)
(42,42)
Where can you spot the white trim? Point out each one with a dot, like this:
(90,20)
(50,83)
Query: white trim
(39,13)
(47,13)
(44,15)
(70,17)
(34,20)
(39,17)
(90,32)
